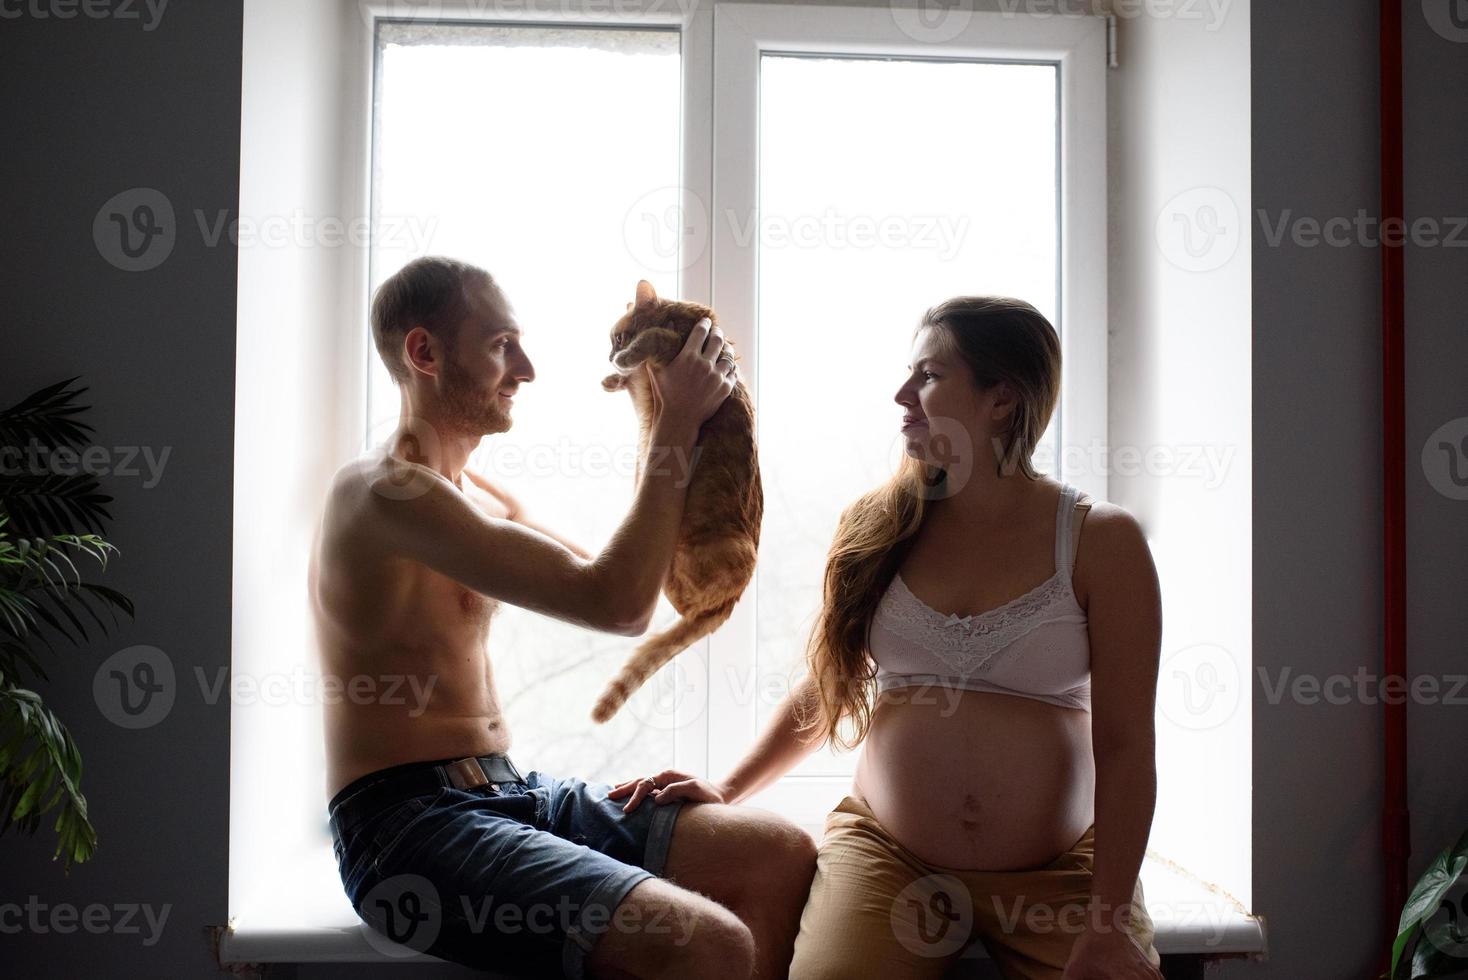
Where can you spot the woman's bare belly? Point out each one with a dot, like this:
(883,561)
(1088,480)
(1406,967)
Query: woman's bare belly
(978,781)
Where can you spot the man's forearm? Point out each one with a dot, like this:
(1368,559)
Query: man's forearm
(634,563)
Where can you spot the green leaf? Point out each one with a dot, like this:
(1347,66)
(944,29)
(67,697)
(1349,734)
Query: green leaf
(1439,877)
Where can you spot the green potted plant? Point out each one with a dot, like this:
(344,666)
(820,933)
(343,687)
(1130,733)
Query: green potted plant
(1438,949)
(48,521)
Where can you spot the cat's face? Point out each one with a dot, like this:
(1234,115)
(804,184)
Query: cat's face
(648,310)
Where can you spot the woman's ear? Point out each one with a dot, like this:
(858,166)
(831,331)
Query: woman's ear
(1005,402)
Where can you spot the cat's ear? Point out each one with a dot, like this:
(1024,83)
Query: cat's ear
(629,306)
(645,295)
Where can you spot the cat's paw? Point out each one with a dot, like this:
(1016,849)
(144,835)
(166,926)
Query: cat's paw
(614,382)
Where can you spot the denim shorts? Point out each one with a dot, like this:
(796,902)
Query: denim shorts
(519,877)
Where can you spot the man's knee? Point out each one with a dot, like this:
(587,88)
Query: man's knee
(781,860)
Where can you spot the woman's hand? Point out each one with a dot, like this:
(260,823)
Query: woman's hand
(667,786)
(1108,955)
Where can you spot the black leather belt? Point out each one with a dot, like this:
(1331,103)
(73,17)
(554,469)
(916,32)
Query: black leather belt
(390,786)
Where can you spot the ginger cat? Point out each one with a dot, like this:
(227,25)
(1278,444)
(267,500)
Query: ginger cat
(719,537)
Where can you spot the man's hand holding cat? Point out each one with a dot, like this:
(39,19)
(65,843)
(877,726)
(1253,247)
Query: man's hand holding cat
(690,388)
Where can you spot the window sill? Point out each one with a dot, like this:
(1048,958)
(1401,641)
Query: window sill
(1188,924)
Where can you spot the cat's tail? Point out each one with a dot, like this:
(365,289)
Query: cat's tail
(656,652)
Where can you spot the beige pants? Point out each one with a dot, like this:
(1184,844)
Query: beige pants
(877,910)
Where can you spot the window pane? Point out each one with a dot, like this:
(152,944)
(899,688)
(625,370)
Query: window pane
(885,187)
(519,149)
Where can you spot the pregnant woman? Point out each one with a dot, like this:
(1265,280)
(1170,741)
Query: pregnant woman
(999,676)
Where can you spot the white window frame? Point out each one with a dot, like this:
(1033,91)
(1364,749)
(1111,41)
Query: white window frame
(723,34)
(720,50)
(743,33)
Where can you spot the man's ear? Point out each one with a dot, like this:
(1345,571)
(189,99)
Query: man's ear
(421,351)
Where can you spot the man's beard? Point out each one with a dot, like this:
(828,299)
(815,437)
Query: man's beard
(468,409)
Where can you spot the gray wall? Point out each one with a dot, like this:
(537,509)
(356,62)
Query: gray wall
(1318,485)
(1317,491)
(93,107)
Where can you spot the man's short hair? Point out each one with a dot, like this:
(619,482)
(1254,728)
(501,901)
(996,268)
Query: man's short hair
(432,292)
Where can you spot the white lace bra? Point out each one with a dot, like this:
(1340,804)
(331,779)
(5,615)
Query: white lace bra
(1035,646)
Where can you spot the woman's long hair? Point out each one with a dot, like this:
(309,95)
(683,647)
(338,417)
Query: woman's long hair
(1000,339)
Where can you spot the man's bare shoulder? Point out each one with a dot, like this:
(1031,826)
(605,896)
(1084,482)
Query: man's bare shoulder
(363,486)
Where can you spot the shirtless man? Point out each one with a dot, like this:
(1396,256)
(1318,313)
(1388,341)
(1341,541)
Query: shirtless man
(442,845)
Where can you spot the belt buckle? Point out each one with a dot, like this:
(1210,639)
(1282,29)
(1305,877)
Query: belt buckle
(466,773)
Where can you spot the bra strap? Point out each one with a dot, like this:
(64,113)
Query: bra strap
(1065,511)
